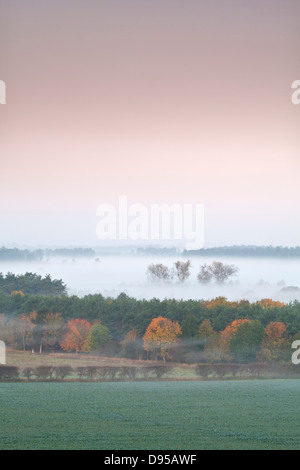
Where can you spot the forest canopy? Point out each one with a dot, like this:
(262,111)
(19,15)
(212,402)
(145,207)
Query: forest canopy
(31,284)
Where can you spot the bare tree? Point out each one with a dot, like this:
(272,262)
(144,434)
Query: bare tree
(158,272)
(222,272)
(182,270)
(218,271)
(52,329)
(205,275)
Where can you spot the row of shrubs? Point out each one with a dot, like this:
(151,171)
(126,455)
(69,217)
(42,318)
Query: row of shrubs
(244,370)
(110,373)
(87,372)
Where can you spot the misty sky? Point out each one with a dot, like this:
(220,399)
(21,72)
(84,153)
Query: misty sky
(162,101)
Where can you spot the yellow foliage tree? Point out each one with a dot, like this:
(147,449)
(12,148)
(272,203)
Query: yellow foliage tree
(160,335)
(17,292)
(269,303)
(220,301)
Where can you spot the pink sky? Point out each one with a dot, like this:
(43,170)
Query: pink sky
(162,101)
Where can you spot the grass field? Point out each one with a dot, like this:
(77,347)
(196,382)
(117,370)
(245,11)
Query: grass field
(256,414)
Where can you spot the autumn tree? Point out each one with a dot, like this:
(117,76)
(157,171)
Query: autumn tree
(275,341)
(269,303)
(160,335)
(17,292)
(229,332)
(76,335)
(220,302)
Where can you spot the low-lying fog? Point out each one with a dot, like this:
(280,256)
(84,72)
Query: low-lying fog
(110,275)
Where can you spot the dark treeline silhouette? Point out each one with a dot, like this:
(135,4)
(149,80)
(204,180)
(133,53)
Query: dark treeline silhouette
(161,251)
(16,254)
(31,284)
(247,251)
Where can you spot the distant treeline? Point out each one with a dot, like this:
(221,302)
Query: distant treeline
(158,251)
(30,284)
(15,254)
(247,251)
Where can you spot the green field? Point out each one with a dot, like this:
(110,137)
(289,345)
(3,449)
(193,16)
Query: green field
(254,414)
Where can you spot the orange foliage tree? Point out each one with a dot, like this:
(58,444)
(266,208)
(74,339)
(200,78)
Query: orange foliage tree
(274,341)
(160,335)
(76,335)
(229,332)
